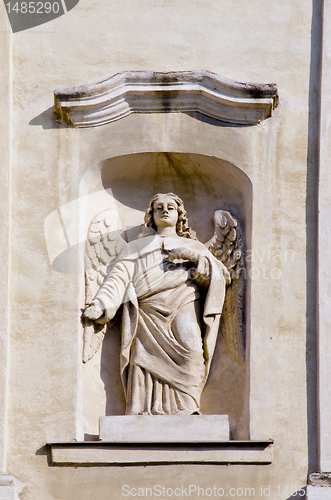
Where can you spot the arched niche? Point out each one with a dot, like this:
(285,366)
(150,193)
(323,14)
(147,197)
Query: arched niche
(205,184)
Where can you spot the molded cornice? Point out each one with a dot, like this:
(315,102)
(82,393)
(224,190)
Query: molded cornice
(153,92)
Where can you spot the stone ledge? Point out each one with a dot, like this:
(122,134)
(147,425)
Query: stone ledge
(319,486)
(97,453)
(156,92)
(320,479)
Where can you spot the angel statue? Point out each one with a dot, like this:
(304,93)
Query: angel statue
(173,290)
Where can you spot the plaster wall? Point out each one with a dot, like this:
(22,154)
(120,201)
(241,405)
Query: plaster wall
(246,41)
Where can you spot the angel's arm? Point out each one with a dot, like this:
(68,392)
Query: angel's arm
(202,271)
(110,296)
(202,274)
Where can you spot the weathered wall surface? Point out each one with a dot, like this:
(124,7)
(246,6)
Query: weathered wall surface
(255,41)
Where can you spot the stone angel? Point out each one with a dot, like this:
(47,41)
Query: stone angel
(173,291)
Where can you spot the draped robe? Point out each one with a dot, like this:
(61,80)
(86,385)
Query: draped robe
(164,373)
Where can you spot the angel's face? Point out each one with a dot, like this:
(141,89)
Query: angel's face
(165,211)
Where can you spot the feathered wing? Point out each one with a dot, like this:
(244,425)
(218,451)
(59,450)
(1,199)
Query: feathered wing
(103,245)
(228,246)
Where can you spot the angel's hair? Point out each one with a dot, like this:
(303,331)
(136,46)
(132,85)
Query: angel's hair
(182,227)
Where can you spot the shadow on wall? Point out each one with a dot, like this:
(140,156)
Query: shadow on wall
(47,120)
(213,122)
(298,494)
(312,232)
(205,184)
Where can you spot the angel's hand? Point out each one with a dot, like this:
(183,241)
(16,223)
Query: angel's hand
(183,253)
(94,310)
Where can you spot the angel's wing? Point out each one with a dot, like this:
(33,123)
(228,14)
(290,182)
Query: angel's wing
(103,245)
(228,246)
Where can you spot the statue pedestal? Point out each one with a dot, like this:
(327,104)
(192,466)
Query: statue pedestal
(165,429)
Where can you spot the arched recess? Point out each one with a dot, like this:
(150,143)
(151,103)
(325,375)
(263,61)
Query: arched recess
(126,183)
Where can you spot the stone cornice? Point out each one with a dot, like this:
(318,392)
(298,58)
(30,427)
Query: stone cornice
(153,92)
(100,453)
